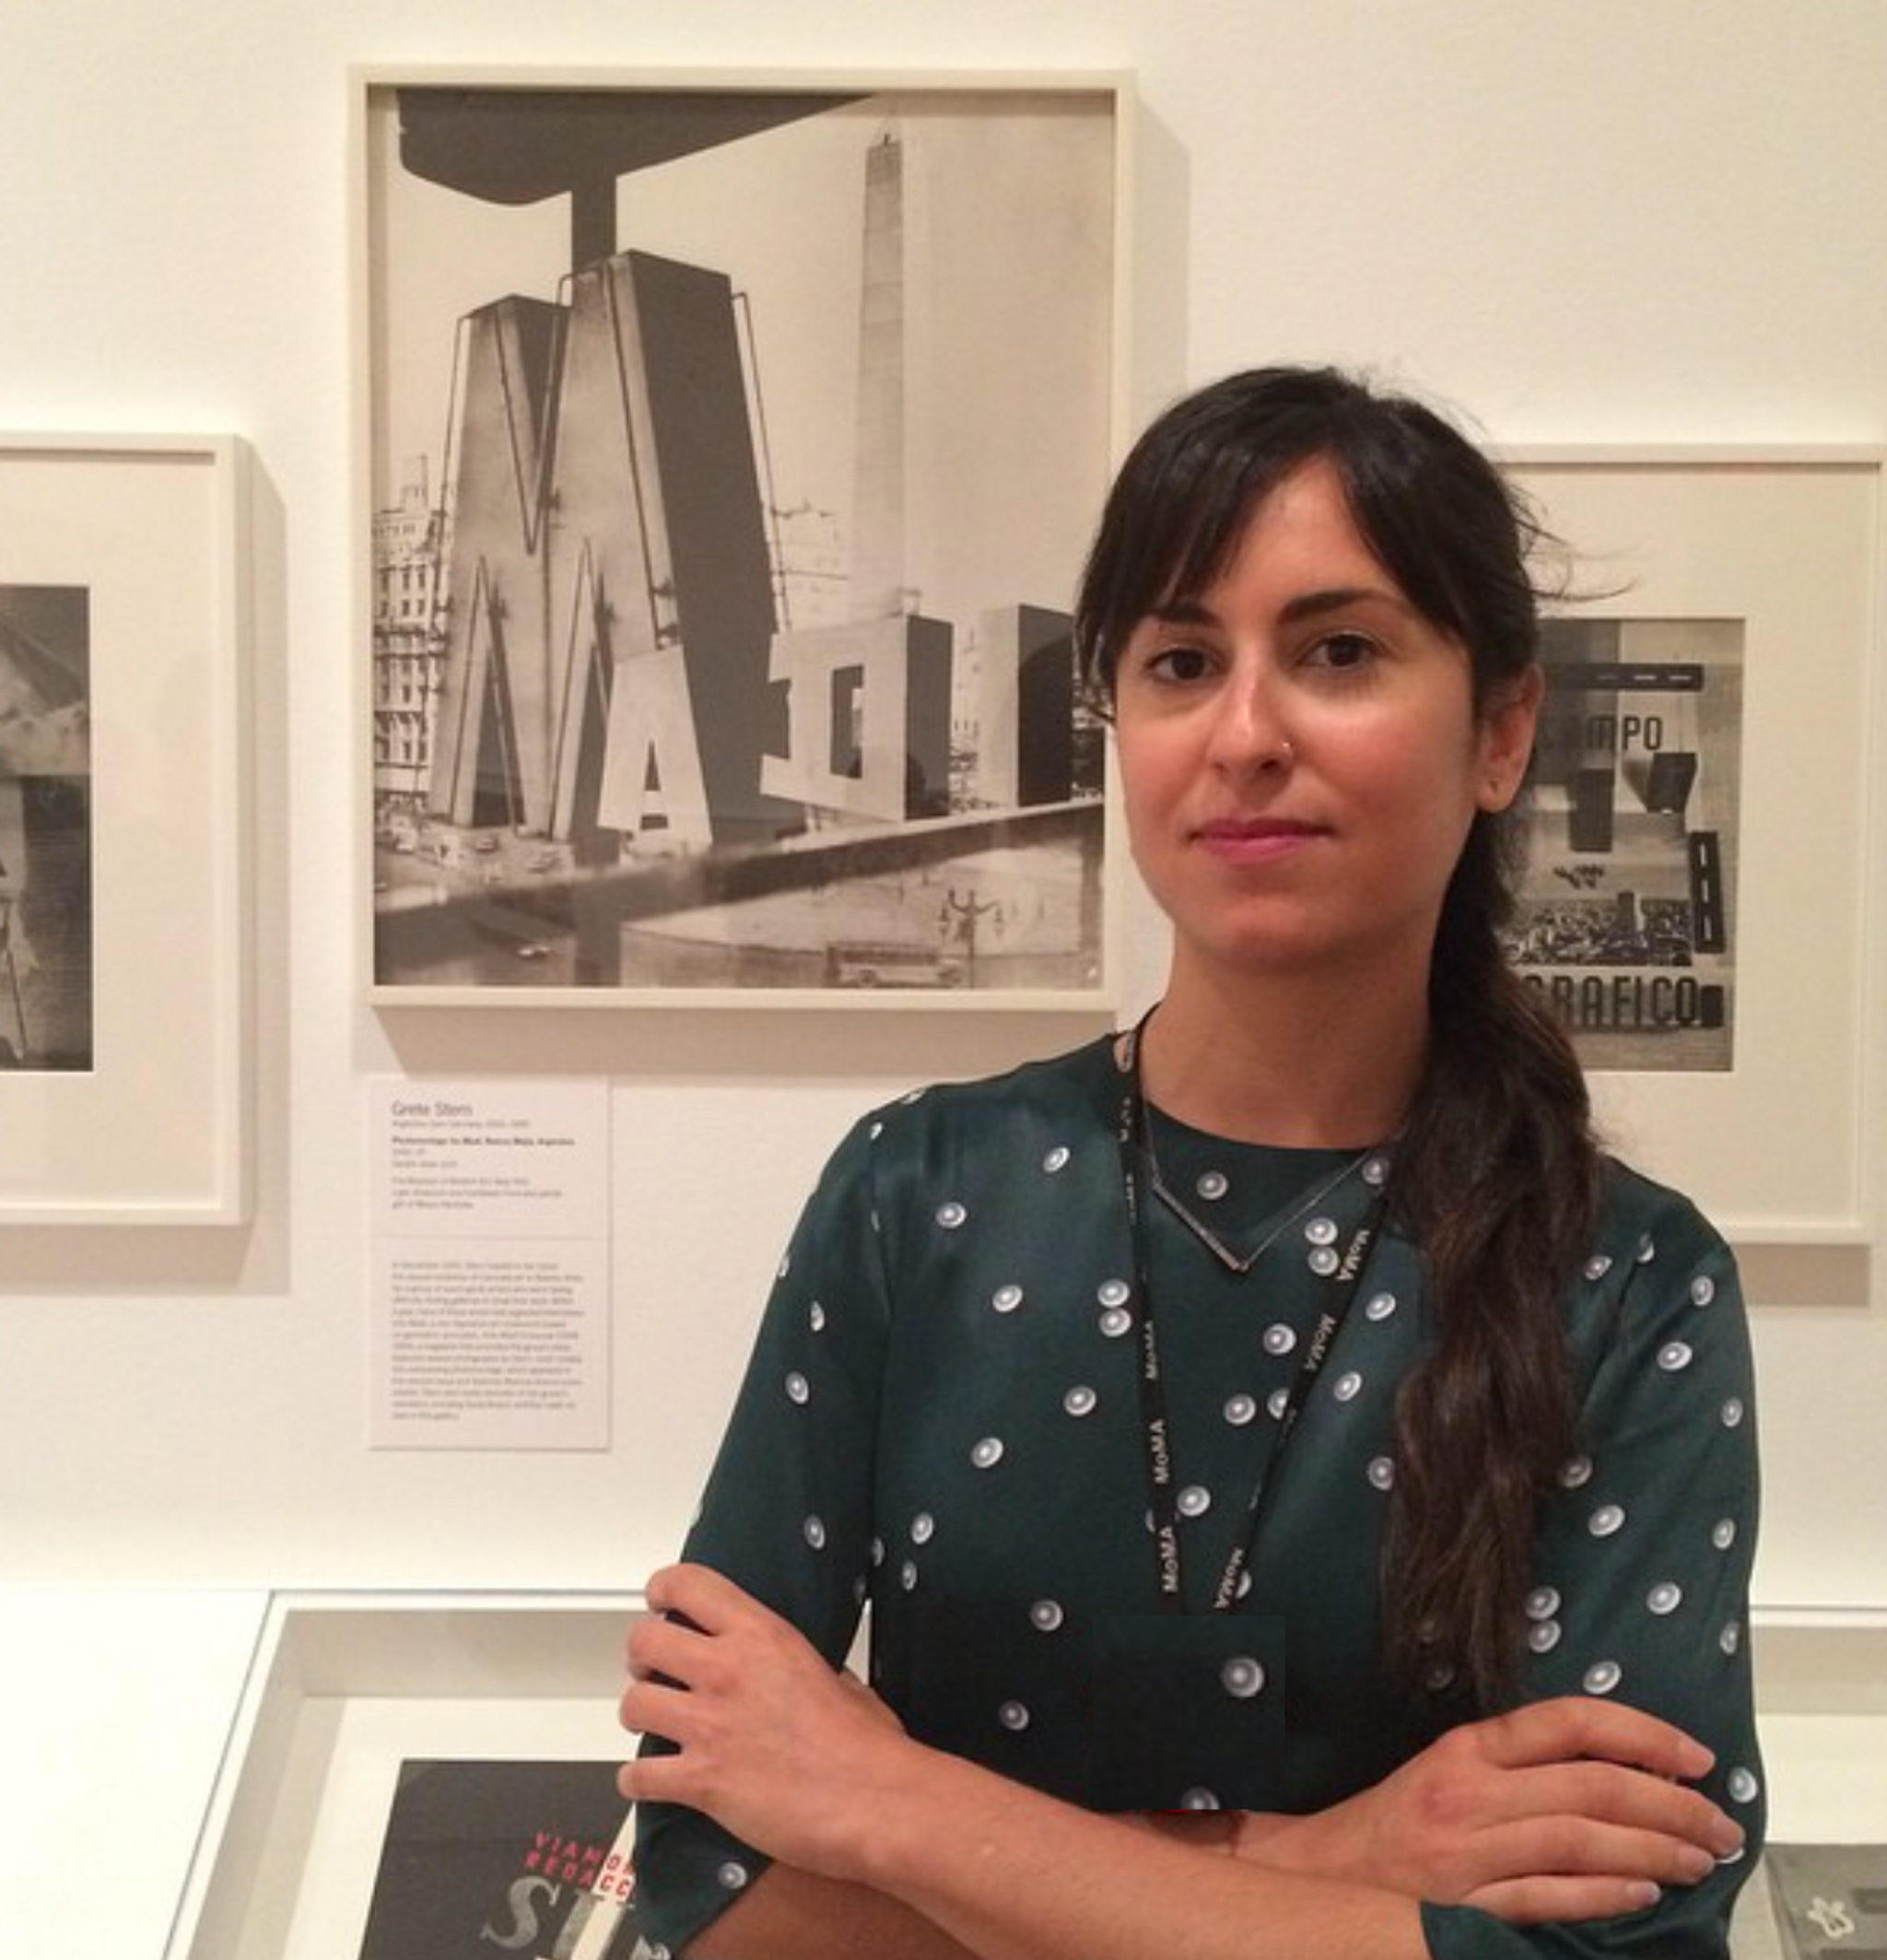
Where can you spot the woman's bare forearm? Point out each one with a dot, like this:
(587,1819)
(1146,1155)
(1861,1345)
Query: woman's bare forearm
(1013,1875)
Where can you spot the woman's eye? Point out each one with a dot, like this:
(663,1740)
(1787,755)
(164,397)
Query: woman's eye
(1179,663)
(1344,653)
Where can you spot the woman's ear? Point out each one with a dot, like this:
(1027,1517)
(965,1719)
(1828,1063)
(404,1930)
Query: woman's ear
(1507,728)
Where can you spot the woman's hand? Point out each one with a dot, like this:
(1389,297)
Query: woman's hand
(784,1750)
(794,1757)
(1572,1809)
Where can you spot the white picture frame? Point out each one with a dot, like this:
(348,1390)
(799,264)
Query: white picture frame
(133,1107)
(341,1687)
(1777,1145)
(769,705)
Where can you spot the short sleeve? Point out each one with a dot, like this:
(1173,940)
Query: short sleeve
(1642,1582)
(788,1507)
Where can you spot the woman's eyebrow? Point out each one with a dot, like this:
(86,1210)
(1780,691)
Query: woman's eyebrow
(1335,599)
(1183,612)
(1303,605)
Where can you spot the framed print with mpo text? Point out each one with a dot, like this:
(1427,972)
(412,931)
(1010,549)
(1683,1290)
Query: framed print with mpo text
(730,448)
(1704,817)
(123,841)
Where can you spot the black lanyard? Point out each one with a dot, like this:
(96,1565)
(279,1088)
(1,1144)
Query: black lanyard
(1342,1279)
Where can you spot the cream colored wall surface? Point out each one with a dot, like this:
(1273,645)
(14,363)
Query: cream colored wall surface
(1580,222)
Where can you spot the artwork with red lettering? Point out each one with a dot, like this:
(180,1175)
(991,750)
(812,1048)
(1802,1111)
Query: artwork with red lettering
(504,1857)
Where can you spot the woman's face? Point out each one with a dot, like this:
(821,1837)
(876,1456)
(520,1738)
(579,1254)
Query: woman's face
(1300,755)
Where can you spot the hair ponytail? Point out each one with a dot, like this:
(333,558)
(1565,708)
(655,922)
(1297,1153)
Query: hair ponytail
(1498,1182)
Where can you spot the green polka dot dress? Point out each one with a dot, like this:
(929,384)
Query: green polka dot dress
(942,1421)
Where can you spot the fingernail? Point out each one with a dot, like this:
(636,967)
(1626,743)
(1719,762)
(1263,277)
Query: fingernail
(1726,1837)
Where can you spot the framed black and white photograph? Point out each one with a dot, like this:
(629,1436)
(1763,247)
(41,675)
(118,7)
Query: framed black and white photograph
(730,448)
(1703,809)
(123,844)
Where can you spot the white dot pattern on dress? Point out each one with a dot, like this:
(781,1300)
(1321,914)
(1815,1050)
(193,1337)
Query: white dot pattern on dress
(1047,1364)
(1242,1677)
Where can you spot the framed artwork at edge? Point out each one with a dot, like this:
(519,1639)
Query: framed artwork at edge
(728,450)
(1705,817)
(123,830)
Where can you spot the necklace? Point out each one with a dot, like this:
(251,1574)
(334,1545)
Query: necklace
(1238,1262)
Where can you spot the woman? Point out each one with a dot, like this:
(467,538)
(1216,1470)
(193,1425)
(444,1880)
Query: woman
(1282,1416)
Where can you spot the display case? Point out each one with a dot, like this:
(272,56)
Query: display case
(345,1688)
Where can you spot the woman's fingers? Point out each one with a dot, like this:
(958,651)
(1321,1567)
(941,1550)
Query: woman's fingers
(1584,1725)
(702,1596)
(1536,1901)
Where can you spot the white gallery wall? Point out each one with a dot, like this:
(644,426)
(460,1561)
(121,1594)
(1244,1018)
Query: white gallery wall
(1581,221)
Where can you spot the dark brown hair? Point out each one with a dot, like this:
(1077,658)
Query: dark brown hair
(1497,1175)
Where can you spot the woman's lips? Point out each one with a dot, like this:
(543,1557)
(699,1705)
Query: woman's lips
(1256,839)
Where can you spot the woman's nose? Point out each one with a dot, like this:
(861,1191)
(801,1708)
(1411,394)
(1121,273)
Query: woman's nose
(1250,728)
